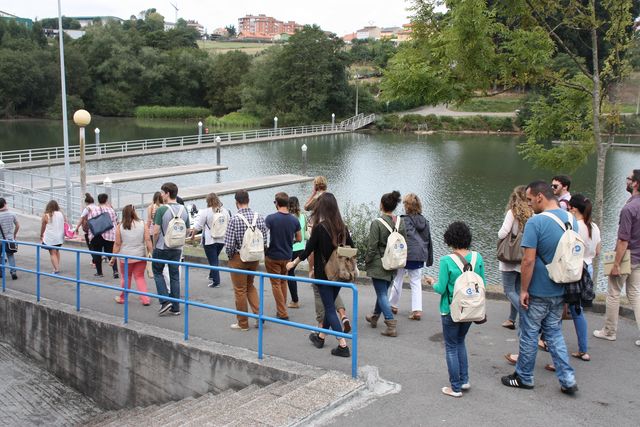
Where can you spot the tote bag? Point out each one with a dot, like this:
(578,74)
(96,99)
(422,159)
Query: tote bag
(509,249)
(101,223)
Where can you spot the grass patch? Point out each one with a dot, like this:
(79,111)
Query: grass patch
(213,47)
(158,112)
(413,122)
(491,104)
(235,119)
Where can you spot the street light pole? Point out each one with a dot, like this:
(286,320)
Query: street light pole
(82,118)
(65,125)
(357,97)
(275,123)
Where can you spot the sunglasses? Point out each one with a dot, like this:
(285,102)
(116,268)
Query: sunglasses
(555,186)
(629,178)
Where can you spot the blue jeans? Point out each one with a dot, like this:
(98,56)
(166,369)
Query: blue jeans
(12,263)
(328,295)
(213,252)
(580,322)
(174,275)
(456,351)
(511,285)
(382,300)
(544,314)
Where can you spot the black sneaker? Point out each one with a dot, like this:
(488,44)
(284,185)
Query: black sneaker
(341,351)
(174,313)
(316,340)
(98,275)
(116,275)
(14,276)
(569,390)
(166,306)
(514,380)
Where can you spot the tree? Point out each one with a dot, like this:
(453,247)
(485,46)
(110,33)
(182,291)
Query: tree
(476,44)
(67,23)
(304,81)
(224,79)
(231,30)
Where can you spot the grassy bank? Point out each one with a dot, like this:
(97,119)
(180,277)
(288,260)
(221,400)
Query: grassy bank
(416,122)
(491,104)
(235,119)
(250,48)
(158,112)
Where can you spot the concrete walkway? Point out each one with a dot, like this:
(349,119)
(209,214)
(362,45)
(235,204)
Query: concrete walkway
(442,110)
(415,359)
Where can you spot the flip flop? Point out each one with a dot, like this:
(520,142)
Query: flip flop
(543,346)
(510,358)
(550,367)
(582,356)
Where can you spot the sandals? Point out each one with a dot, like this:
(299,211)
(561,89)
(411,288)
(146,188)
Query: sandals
(550,367)
(581,355)
(394,310)
(509,324)
(511,358)
(542,345)
(416,315)
(346,324)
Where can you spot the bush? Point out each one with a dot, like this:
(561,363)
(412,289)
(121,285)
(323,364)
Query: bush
(234,119)
(358,220)
(159,112)
(413,122)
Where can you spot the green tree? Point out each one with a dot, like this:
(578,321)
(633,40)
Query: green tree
(474,46)
(231,30)
(224,79)
(304,81)
(67,23)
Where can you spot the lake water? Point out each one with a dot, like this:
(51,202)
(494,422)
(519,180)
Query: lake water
(458,177)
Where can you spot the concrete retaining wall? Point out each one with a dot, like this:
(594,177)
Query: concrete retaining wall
(129,365)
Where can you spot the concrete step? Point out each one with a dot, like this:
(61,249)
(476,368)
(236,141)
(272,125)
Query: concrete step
(186,412)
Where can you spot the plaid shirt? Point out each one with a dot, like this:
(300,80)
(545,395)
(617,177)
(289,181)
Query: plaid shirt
(94,211)
(236,229)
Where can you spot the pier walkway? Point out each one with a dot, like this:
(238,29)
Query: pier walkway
(50,156)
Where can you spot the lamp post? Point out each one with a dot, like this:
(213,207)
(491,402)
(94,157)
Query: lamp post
(218,150)
(333,120)
(97,131)
(65,125)
(275,123)
(82,118)
(304,158)
(199,132)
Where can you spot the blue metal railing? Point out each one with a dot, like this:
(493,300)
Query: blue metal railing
(260,317)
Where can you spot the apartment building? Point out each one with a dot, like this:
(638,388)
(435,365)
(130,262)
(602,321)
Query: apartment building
(264,27)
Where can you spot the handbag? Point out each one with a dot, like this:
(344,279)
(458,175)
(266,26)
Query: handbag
(509,249)
(12,247)
(101,223)
(625,265)
(580,293)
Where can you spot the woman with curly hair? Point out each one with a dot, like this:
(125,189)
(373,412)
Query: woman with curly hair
(517,213)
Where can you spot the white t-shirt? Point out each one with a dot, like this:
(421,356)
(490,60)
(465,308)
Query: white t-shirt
(204,221)
(590,243)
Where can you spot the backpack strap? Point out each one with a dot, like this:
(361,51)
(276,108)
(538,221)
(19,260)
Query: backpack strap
(398,219)
(255,220)
(566,225)
(252,226)
(387,225)
(462,262)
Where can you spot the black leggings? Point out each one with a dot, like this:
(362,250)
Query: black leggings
(98,244)
(293,285)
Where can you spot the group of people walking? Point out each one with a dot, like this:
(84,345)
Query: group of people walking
(536,217)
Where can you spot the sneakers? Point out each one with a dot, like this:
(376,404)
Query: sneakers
(212,284)
(119,300)
(514,380)
(449,392)
(116,275)
(569,390)
(293,304)
(174,312)
(238,327)
(600,333)
(95,275)
(341,351)
(14,276)
(316,340)
(466,386)
(166,306)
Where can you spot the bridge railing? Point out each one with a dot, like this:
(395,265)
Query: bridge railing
(55,153)
(186,301)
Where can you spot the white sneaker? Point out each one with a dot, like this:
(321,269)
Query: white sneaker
(449,392)
(638,343)
(465,386)
(238,327)
(600,333)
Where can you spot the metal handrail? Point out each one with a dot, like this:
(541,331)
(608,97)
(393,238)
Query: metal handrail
(187,303)
(53,153)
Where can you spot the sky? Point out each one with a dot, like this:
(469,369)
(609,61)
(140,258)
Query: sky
(339,16)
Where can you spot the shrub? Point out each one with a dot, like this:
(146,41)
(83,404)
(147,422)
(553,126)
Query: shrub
(159,112)
(358,220)
(234,119)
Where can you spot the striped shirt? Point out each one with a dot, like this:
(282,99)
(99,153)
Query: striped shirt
(236,229)
(109,235)
(8,221)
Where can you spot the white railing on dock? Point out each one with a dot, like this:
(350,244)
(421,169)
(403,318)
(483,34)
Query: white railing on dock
(56,153)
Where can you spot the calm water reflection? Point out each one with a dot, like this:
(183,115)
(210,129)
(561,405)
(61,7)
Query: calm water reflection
(458,177)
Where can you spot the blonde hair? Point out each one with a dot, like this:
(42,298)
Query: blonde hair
(213,201)
(412,205)
(321,183)
(519,206)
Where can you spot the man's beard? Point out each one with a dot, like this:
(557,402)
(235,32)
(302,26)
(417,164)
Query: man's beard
(629,188)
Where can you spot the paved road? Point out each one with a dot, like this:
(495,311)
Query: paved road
(442,110)
(609,384)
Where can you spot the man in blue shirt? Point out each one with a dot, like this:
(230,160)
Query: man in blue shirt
(541,299)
